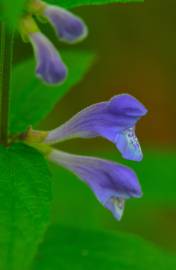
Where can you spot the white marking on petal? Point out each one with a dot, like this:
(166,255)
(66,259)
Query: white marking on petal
(132,139)
(128,144)
(119,205)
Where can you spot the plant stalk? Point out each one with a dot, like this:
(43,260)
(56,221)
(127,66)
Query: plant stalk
(6,53)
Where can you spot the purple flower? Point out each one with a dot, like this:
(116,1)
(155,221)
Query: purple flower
(68,27)
(114,120)
(111,182)
(50,67)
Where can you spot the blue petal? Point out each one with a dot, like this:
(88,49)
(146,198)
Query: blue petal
(68,27)
(114,120)
(50,67)
(111,182)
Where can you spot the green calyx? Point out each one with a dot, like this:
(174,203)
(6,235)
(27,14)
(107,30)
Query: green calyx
(35,138)
(27,24)
(44,149)
(36,7)
(27,27)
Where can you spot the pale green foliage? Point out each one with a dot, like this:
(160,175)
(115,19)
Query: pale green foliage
(11,10)
(76,3)
(32,100)
(25,195)
(66,249)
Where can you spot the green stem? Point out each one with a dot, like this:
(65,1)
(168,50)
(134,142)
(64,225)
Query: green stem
(6,52)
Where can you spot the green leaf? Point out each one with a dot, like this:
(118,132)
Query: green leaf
(32,100)
(77,3)
(66,249)
(25,195)
(11,10)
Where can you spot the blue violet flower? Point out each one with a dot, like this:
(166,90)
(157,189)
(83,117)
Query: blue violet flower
(68,27)
(114,120)
(50,66)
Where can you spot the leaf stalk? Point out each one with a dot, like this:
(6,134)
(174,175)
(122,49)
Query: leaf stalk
(6,54)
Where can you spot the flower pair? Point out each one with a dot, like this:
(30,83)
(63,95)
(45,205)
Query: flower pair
(114,120)
(68,27)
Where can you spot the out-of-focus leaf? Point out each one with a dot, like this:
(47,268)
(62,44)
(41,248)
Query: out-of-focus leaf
(77,3)
(66,249)
(74,203)
(25,195)
(11,10)
(32,100)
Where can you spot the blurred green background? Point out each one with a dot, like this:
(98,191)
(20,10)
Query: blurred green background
(135,47)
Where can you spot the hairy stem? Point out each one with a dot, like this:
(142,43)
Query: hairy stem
(6,51)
